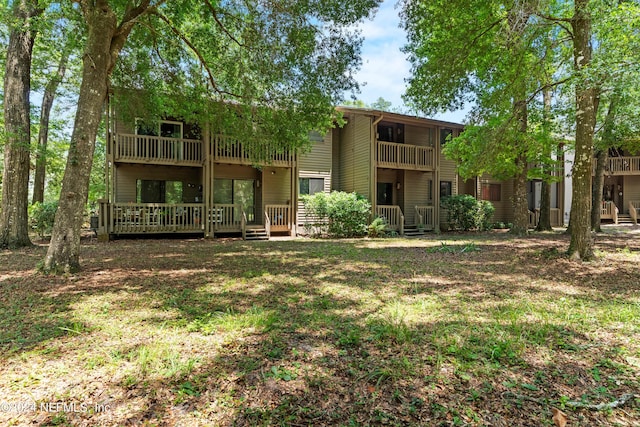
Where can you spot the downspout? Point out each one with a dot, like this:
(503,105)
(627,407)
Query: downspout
(374,164)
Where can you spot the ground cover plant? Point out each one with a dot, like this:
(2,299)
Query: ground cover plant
(452,329)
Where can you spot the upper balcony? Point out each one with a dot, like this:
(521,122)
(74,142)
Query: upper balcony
(623,166)
(157,150)
(405,156)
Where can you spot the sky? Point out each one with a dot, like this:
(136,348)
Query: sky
(384,66)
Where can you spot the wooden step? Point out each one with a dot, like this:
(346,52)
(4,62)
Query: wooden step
(412,231)
(256,234)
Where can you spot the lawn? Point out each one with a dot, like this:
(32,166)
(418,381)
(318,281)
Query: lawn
(452,329)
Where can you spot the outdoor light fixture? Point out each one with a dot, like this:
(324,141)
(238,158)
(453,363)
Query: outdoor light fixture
(397,185)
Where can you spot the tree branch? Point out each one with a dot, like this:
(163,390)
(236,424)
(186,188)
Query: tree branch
(221,25)
(195,50)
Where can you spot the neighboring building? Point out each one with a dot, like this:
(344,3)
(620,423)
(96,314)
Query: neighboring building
(172,177)
(621,192)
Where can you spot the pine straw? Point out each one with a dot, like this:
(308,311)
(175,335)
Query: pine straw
(313,332)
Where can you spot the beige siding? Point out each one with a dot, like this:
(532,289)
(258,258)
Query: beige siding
(416,192)
(631,189)
(353,157)
(301,213)
(417,135)
(276,188)
(127,175)
(447,173)
(504,208)
(318,159)
(235,172)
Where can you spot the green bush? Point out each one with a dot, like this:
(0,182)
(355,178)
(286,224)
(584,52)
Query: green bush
(464,212)
(337,214)
(41,216)
(377,228)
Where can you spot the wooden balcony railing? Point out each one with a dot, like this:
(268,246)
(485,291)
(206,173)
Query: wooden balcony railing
(609,211)
(279,217)
(229,150)
(134,218)
(621,166)
(393,217)
(157,150)
(226,218)
(424,217)
(634,210)
(405,156)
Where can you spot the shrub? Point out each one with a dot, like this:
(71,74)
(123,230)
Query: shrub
(377,227)
(464,212)
(41,216)
(339,214)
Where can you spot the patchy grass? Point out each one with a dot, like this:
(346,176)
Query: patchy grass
(446,330)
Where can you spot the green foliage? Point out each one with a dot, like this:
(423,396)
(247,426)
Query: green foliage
(41,216)
(339,214)
(377,228)
(464,212)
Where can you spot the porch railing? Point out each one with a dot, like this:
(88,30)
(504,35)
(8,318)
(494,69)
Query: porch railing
(279,217)
(267,225)
(623,165)
(634,210)
(609,210)
(227,149)
(405,156)
(226,217)
(534,218)
(424,217)
(157,149)
(393,216)
(155,218)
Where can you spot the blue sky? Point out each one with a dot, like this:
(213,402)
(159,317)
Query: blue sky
(384,66)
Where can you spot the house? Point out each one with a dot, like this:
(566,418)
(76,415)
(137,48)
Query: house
(175,177)
(621,190)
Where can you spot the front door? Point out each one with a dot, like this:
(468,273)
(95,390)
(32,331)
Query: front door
(385,193)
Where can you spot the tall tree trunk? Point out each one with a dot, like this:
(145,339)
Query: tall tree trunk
(581,245)
(43,133)
(64,250)
(602,156)
(14,220)
(105,40)
(544,223)
(520,203)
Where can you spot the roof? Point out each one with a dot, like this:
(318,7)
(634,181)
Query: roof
(398,117)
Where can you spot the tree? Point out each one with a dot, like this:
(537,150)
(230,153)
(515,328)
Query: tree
(488,53)
(273,70)
(14,227)
(52,64)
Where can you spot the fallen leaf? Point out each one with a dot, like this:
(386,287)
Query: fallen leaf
(559,417)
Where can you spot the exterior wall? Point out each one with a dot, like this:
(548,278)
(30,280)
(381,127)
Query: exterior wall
(317,163)
(127,174)
(417,187)
(631,189)
(276,186)
(447,172)
(504,207)
(417,135)
(353,157)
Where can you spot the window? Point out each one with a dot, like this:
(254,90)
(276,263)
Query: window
(311,186)
(391,133)
(165,128)
(155,191)
(385,193)
(445,189)
(491,192)
(444,134)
